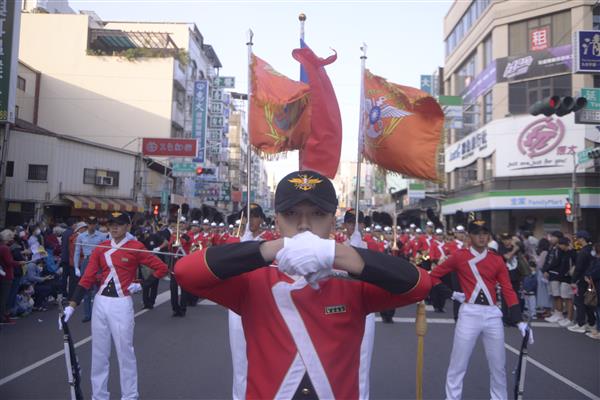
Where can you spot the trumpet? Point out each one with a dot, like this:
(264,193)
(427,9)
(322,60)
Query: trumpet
(195,247)
(395,235)
(177,242)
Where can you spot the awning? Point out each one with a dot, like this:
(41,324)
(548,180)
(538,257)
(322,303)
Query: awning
(103,203)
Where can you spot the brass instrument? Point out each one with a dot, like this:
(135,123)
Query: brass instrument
(177,242)
(395,235)
(422,257)
(195,247)
(240,222)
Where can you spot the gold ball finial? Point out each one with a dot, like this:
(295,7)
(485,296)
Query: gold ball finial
(302,17)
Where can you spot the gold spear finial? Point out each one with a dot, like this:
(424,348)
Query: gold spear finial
(302,17)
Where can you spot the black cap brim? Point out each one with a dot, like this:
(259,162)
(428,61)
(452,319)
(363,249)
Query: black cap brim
(300,197)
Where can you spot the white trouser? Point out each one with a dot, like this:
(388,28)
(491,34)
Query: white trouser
(113,317)
(237,342)
(473,320)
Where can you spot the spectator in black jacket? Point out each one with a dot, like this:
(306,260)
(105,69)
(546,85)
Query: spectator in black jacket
(550,270)
(582,264)
(592,277)
(567,257)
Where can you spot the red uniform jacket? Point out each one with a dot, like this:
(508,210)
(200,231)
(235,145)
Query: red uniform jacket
(290,327)
(124,265)
(491,267)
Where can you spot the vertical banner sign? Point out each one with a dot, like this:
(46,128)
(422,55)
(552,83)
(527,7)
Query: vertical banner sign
(199,117)
(426,83)
(10,17)
(587,51)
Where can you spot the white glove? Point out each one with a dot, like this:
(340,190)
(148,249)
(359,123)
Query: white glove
(77,272)
(134,288)
(356,240)
(523,327)
(458,296)
(67,314)
(306,253)
(247,236)
(156,249)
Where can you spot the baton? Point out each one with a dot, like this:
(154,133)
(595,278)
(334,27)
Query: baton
(521,368)
(72,363)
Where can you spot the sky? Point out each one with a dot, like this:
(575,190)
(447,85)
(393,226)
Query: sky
(404,40)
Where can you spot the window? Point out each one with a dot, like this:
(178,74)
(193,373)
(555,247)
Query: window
(538,33)
(469,18)
(467,175)
(487,168)
(521,95)
(90,174)
(10,169)
(487,51)
(487,107)
(596,17)
(16,111)
(21,83)
(466,73)
(37,172)
(471,120)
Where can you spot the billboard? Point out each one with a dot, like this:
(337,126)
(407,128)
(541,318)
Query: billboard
(10,17)
(156,147)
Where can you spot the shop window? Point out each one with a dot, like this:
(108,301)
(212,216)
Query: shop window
(37,172)
(467,175)
(487,168)
(487,51)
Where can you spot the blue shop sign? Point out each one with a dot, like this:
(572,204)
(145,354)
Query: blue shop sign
(587,51)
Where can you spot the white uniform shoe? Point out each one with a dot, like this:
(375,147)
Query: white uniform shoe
(577,329)
(565,322)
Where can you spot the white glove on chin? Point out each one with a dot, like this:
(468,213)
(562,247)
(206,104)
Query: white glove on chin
(67,314)
(134,288)
(523,328)
(356,240)
(77,272)
(458,296)
(306,253)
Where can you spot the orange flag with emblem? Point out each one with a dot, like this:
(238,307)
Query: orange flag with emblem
(402,128)
(279,118)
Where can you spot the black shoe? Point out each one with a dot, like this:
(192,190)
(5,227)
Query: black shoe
(86,319)
(387,320)
(148,307)
(439,310)
(178,314)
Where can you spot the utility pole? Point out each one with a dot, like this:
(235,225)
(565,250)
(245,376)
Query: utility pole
(575,199)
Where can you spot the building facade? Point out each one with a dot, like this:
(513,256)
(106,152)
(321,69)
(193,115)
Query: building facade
(502,164)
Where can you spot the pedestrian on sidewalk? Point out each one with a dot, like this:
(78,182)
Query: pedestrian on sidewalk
(304,325)
(116,263)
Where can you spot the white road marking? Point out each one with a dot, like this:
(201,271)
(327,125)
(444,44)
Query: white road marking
(160,299)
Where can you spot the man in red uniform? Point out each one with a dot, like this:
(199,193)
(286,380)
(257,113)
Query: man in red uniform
(116,263)
(254,229)
(303,325)
(479,271)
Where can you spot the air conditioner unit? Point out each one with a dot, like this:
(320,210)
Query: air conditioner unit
(104,180)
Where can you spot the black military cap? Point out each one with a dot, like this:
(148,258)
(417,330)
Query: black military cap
(119,218)
(477,226)
(305,185)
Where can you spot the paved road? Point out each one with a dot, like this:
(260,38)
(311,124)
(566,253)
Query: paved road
(189,358)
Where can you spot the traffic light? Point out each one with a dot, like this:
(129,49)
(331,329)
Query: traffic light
(568,208)
(205,171)
(156,210)
(558,105)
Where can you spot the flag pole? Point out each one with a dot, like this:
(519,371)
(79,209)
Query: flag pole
(361,126)
(249,150)
(421,329)
(302,19)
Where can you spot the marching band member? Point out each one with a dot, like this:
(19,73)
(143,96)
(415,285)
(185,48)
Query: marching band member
(479,271)
(304,327)
(112,314)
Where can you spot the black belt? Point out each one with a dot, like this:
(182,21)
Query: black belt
(110,290)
